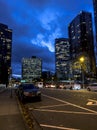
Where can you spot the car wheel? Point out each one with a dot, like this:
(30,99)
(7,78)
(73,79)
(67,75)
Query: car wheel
(64,87)
(71,88)
(88,89)
(22,99)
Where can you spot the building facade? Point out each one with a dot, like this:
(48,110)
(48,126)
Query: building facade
(62,58)
(95,16)
(95,22)
(82,43)
(31,68)
(5,53)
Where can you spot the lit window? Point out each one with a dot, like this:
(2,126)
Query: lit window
(8,57)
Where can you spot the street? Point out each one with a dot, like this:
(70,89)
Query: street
(65,110)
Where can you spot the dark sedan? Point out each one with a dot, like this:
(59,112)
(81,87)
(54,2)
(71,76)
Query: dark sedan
(28,91)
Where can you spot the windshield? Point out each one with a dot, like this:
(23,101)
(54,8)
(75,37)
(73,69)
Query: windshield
(28,86)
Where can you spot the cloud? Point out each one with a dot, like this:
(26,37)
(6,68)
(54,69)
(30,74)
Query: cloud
(47,40)
(36,24)
(27,51)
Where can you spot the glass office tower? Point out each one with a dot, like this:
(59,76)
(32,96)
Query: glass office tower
(95,16)
(62,58)
(81,41)
(5,53)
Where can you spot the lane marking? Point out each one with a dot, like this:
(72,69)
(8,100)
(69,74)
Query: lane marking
(53,106)
(91,102)
(89,110)
(48,106)
(57,127)
(69,112)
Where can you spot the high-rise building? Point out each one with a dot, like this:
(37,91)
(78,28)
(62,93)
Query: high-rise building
(31,68)
(95,16)
(5,53)
(62,58)
(81,41)
(95,23)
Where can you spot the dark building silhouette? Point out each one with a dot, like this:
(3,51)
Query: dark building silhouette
(95,22)
(95,16)
(46,75)
(81,41)
(5,53)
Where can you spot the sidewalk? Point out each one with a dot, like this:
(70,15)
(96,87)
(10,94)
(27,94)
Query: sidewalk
(10,114)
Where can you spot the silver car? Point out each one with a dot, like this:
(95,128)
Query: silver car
(92,87)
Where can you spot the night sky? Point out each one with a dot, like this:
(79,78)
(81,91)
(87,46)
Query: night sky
(36,24)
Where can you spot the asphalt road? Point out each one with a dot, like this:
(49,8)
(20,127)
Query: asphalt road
(66,110)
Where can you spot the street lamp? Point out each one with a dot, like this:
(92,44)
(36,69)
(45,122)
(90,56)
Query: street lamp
(82,59)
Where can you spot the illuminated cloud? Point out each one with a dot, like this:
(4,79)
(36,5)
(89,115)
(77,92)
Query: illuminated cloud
(47,41)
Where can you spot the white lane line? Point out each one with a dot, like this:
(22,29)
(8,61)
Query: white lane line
(69,112)
(49,106)
(89,110)
(57,127)
(53,106)
(93,100)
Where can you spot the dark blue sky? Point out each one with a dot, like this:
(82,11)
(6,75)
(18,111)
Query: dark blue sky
(36,24)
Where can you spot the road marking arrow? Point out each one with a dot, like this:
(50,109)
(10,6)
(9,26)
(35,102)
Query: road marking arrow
(92,102)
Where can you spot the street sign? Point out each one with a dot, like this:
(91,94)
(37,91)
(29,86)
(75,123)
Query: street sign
(23,81)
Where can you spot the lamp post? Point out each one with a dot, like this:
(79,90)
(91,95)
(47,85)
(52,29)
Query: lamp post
(82,59)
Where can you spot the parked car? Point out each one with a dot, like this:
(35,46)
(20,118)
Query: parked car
(28,91)
(70,85)
(76,86)
(92,87)
(39,84)
(2,87)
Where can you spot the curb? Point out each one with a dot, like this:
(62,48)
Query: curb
(30,122)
